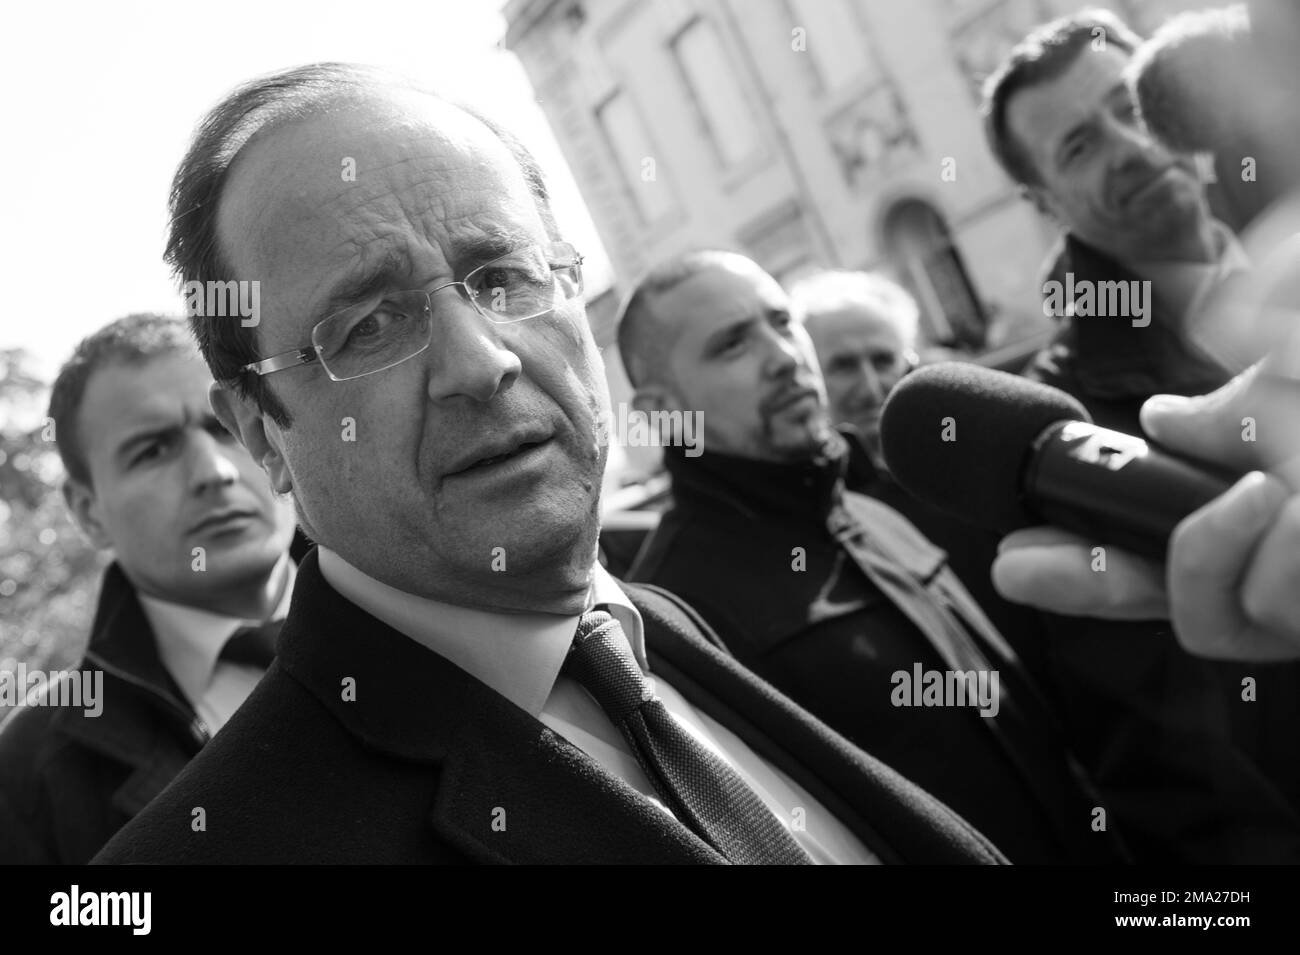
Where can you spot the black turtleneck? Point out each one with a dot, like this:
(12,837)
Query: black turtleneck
(747,545)
(797,490)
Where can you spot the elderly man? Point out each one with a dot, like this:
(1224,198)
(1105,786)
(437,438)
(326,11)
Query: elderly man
(863,327)
(839,601)
(1141,253)
(200,546)
(458,679)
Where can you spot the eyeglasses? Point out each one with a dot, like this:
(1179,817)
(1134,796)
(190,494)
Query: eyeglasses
(367,338)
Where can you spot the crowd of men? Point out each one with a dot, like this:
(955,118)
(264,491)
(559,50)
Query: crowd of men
(357,611)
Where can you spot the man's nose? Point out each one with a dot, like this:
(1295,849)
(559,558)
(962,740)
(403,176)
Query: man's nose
(209,462)
(468,355)
(870,380)
(1134,146)
(782,356)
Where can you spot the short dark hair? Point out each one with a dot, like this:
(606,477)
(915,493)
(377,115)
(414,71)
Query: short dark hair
(1043,55)
(257,107)
(1185,105)
(642,344)
(132,340)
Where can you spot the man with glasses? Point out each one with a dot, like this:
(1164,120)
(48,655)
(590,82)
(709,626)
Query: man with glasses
(458,680)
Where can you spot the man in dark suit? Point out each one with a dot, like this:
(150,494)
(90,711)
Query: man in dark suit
(838,600)
(458,679)
(200,546)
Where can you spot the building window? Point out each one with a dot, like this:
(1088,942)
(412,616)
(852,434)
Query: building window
(642,171)
(719,99)
(923,254)
(834,41)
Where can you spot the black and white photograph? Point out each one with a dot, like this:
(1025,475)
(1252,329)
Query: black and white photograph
(652,432)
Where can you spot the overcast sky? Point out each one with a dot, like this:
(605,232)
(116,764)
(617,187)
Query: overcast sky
(100,99)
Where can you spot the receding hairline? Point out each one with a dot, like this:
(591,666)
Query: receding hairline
(385,101)
(642,327)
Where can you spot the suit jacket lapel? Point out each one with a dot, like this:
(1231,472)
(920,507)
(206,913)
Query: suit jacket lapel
(510,789)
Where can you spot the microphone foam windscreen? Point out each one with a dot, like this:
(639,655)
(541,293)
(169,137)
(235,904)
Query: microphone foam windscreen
(958,436)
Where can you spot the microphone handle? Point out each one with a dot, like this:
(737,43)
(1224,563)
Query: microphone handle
(1114,488)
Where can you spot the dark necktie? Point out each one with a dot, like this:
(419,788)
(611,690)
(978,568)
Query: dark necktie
(254,646)
(705,794)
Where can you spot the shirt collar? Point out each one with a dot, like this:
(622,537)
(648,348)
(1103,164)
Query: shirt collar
(190,639)
(519,655)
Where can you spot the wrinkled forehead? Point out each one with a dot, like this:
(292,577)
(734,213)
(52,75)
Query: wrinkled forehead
(401,177)
(1041,115)
(853,325)
(722,293)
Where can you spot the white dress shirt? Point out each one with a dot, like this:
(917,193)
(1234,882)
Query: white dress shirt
(190,642)
(519,655)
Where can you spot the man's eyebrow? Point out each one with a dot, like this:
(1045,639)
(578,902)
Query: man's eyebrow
(205,419)
(384,275)
(392,272)
(144,435)
(487,245)
(727,331)
(1073,133)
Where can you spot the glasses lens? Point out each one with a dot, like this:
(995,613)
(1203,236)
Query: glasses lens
(526,282)
(365,339)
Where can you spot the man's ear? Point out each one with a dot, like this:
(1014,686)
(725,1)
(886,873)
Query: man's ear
(653,397)
(1041,200)
(83,505)
(256,432)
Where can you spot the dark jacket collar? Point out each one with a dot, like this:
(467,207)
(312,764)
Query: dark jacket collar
(803,490)
(140,699)
(1116,359)
(123,642)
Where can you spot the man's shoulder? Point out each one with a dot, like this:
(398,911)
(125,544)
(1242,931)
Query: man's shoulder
(28,742)
(660,607)
(280,770)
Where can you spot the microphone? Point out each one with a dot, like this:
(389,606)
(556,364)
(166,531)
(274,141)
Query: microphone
(1003,452)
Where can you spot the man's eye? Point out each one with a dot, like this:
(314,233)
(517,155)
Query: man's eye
(509,277)
(381,321)
(151,451)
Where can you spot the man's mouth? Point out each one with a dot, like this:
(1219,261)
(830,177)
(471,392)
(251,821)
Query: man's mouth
(1152,182)
(494,455)
(223,520)
(788,399)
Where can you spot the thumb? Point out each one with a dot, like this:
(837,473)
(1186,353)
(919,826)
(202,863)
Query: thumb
(1204,427)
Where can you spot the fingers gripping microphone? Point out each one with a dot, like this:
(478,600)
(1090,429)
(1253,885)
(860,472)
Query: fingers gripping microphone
(1003,452)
